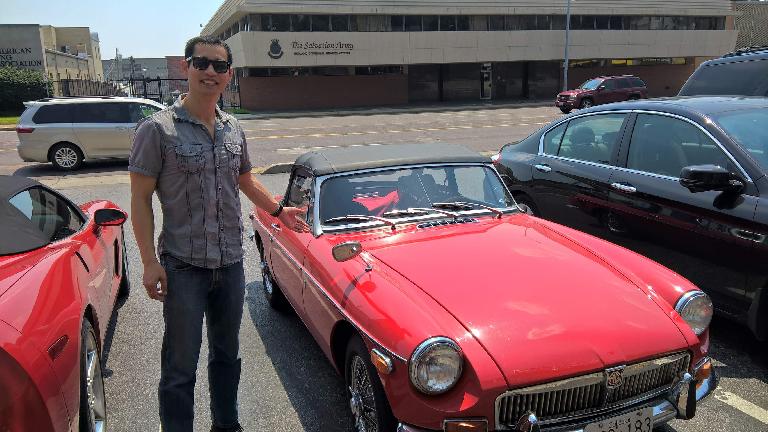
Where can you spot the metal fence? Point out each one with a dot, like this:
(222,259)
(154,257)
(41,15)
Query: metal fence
(163,90)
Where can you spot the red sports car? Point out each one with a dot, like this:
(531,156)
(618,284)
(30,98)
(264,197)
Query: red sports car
(61,269)
(447,308)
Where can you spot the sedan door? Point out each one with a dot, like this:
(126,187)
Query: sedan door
(105,130)
(573,167)
(289,247)
(703,235)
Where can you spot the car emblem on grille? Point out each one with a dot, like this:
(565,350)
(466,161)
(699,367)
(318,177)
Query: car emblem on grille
(614,377)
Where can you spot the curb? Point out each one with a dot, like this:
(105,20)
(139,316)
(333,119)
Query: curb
(7,128)
(391,110)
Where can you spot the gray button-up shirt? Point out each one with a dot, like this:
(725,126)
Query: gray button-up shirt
(197,183)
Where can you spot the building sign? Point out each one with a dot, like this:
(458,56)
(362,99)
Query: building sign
(20,57)
(311,48)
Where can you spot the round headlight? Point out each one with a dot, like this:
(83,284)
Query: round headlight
(696,309)
(436,365)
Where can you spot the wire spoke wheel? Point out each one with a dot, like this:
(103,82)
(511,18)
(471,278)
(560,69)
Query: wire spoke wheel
(362,402)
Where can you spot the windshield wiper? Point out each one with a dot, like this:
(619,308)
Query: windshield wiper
(406,212)
(460,205)
(385,221)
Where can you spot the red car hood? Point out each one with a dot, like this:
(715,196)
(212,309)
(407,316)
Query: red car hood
(571,92)
(542,306)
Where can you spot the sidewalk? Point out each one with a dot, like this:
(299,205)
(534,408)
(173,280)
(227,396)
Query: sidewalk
(400,109)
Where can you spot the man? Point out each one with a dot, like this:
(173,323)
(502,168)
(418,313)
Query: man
(195,157)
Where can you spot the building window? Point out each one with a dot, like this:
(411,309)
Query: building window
(448,23)
(398,23)
(300,23)
(321,23)
(462,23)
(497,22)
(431,23)
(413,23)
(340,23)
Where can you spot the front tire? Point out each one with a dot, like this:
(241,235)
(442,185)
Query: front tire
(565,110)
(367,399)
(586,103)
(272,291)
(66,157)
(93,404)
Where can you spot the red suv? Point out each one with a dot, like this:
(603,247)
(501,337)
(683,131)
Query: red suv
(602,90)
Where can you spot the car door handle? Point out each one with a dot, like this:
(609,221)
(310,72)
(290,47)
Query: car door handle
(276,227)
(624,187)
(543,168)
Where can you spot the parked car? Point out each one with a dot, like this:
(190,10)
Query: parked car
(743,72)
(67,131)
(445,307)
(62,268)
(680,180)
(602,90)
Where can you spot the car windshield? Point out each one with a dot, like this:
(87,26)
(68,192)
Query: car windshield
(747,128)
(591,84)
(396,193)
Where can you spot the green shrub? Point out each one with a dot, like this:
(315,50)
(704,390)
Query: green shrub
(20,85)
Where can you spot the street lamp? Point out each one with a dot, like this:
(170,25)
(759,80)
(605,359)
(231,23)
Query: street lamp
(567,42)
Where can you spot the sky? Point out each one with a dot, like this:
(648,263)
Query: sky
(139,28)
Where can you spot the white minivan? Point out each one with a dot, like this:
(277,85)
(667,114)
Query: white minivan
(67,131)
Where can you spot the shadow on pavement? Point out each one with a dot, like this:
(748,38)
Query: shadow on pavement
(314,388)
(742,355)
(105,349)
(95,167)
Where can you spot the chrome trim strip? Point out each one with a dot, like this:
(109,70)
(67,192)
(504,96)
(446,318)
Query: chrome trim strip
(355,324)
(569,118)
(385,358)
(686,298)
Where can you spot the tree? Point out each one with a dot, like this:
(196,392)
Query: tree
(20,85)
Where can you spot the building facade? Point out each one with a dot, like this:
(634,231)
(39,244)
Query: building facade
(307,54)
(59,52)
(126,68)
(752,23)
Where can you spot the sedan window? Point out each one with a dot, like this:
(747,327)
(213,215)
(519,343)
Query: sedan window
(53,216)
(748,129)
(664,145)
(592,138)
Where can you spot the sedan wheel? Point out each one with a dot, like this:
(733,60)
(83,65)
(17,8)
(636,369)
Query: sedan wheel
(367,399)
(93,404)
(66,157)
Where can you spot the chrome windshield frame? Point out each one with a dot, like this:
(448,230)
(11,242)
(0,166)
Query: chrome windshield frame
(318,228)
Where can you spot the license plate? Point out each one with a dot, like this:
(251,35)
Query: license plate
(636,421)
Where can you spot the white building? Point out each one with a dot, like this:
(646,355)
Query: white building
(310,54)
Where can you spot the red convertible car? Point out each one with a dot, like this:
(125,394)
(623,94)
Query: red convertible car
(61,270)
(447,308)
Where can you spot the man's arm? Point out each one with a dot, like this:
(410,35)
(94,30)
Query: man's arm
(260,196)
(143,220)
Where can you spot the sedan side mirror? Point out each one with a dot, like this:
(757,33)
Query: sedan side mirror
(109,217)
(701,178)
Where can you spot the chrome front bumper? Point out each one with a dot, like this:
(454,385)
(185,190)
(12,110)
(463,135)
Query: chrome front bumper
(679,402)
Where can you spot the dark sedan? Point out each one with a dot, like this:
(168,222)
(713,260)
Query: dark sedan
(680,180)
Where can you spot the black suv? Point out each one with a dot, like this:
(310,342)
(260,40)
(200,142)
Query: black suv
(681,180)
(740,73)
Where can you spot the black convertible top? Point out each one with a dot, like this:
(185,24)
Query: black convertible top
(339,160)
(17,232)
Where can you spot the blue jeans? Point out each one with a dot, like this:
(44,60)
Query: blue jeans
(194,292)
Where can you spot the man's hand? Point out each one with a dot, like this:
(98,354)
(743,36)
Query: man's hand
(293,219)
(155,281)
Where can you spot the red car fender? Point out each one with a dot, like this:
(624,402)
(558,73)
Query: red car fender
(38,404)
(661,284)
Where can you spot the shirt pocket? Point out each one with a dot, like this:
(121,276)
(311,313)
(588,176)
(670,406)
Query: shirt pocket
(234,152)
(189,158)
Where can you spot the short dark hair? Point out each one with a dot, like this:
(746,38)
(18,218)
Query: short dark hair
(189,49)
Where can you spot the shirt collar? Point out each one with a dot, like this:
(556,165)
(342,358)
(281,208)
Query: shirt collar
(181,113)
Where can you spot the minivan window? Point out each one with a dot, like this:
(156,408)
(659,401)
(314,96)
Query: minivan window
(102,113)
(747,128)
(718,79)
(61,113)
(140,111)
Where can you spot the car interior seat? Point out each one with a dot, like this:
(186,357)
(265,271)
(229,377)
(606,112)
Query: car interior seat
(657,151)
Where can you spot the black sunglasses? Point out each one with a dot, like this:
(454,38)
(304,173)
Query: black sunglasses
(202,63)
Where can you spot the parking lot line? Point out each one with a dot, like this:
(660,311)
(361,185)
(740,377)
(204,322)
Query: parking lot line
(742,405)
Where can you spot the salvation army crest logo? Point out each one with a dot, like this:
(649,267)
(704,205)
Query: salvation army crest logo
(275,50)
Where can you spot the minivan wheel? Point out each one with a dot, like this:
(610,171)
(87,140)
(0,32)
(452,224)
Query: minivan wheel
(586,103)
(66,156)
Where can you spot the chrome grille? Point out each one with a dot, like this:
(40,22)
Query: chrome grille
(587,394)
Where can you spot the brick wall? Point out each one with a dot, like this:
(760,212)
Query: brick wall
(311,92)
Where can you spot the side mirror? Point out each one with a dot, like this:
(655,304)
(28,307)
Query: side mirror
(109,217)
(601,88)
(346,251)
(701,178)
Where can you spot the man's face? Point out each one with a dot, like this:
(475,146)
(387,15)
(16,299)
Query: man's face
(208,81)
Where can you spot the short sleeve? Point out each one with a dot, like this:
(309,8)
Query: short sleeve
(147,150)
(245,159)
